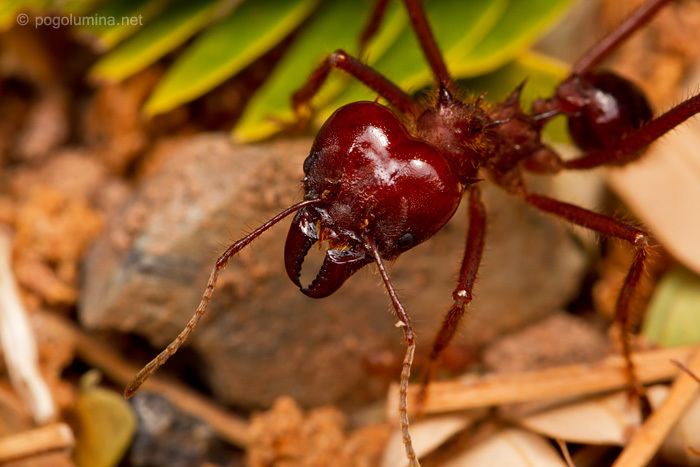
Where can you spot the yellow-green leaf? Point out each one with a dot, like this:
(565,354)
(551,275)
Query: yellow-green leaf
(171,29)
(673,317)
(226,48)
(106,426)
(116,20)
(336,25)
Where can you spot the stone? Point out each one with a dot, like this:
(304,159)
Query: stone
(560,339)
(166,436)
(262,338)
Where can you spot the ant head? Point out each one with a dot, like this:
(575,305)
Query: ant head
(376,185)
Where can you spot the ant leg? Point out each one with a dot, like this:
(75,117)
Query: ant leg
(429,45)
(629,147)
(372,26)
(609,227)
(221,263)
(370,77)
(409,337)
(462,294)
(607,44)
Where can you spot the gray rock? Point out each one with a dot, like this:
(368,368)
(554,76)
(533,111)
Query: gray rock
(166,436)
(262,337)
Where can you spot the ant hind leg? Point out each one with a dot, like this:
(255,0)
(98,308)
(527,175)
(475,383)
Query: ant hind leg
(639,240)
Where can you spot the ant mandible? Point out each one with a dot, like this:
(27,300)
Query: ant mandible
(380,179)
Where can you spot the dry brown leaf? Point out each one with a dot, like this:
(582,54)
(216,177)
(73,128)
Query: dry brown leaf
(428,435)
(599,420)
(510,447)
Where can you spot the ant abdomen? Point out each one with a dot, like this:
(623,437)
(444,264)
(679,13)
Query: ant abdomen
(601,107)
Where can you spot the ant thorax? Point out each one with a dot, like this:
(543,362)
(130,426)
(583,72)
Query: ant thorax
(474,135)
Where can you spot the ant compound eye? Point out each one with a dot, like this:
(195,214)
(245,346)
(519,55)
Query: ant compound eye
(406,241)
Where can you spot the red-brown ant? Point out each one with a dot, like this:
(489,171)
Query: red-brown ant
(379,179)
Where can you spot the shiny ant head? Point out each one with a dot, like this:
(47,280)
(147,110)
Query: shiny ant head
(376,184)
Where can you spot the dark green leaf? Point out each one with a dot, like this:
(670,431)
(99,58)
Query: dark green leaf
(523,22)
(336,25)
(462,25)
(226,48)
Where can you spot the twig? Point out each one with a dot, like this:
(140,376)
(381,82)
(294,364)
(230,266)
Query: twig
(18,344)
(37,441)
(645,442)
(230,427)
(548,384)
(565,453)
(687,370)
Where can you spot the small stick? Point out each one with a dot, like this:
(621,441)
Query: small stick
(547,384)
(565,452)
(645,442)
(230,427)
(687,370)
(53,437)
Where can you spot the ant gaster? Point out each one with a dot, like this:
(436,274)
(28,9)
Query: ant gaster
(380,179)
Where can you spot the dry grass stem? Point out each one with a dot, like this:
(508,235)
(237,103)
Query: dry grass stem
(645,442)
(230,427)
(35,442)
(18,343)
(546,385)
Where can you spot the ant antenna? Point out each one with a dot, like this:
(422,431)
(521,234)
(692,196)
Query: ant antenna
(221,263)
(405,323)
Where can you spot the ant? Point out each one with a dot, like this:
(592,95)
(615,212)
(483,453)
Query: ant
(381,179)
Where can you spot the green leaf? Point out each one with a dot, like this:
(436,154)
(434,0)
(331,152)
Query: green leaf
(523,23)
(116,20)
(106,425)
(673,317)
(171,29)
(78,7)
(541,74)
(461,26)
(336,25)
(8,13)
(226,48)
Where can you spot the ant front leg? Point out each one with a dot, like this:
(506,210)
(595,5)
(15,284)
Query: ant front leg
(462,294)
(367,75)
(609,227)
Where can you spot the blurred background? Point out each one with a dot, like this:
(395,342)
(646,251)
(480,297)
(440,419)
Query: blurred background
(139,138)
